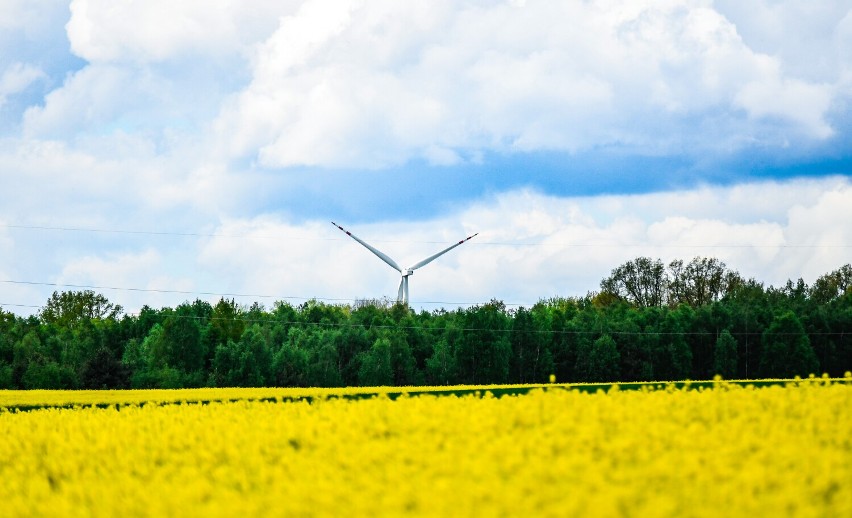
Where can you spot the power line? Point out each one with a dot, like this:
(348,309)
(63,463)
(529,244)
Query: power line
(226,294)
(155,290)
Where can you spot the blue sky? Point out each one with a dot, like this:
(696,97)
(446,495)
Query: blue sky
(202,148)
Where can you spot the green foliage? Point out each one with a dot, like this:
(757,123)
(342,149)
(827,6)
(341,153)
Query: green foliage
(289,367)
(323,367)
(49,375)
(104,371)
(6,381)
(376,369)
(226,322)
(71,307)
(528,348)
(181,340)
(832,285)
(599,360)
(787,349)
(725,355)
(691,320)
(441,366)
(641,281)
(246,363)
(646,282)
(482,356)
(162,378)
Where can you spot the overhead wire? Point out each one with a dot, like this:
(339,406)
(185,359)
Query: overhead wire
(303,238)
(228,294)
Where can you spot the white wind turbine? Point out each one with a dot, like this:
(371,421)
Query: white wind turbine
(402,295)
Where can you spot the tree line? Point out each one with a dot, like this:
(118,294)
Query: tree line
(649,321)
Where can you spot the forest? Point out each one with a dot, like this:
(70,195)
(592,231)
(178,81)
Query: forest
(648,321)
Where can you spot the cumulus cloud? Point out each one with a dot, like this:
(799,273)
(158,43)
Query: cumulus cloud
(342,84)
(379,84)
(533,245)
(151,68)
(805,36)
(16,78)
(530,246)
(158,30)
(144,271)
(178,116)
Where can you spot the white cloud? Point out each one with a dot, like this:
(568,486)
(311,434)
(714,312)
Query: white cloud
(377,84)
(176,109)
(532,245)
(115,181)
(794,100)
(801,34)
(157,30)
(144,272)
(95,97)
(340,84)
(30,17)
(16,78)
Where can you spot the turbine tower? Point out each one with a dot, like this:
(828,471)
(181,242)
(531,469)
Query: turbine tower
(402,295)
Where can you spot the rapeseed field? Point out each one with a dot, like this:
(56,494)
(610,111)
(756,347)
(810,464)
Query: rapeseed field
(783,450)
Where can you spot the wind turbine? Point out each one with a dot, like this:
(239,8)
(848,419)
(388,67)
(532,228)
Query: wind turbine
(402,295)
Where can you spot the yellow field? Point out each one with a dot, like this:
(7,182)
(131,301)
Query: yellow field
(730,451)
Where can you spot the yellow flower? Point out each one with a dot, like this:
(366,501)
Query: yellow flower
(729,450)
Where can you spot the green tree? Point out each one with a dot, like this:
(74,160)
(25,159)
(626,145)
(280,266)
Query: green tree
(154,346)
(484,350)
(104,371)
(8,323)
(182,345)
(441,366)
(638,335)
(47,375)
(725,357)
(832,285)
(68,308)
(322,366)
(226,322)
(290,366)
(568,317)
(403,362)
(676,351)
(255,359)
(353,340)
(135,360)
(376,369)
(27,350)
(246,363)
(702,281)
(787,350)
(750,311)
(6,380)
(529,349)
(598,361)
(642,282)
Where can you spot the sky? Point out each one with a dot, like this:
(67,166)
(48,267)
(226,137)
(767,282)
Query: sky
(158,151)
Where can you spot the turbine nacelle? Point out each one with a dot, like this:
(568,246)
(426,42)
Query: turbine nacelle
(402,294)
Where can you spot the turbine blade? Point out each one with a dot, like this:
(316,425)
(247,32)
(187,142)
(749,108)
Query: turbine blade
(431,258)
(381,255)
